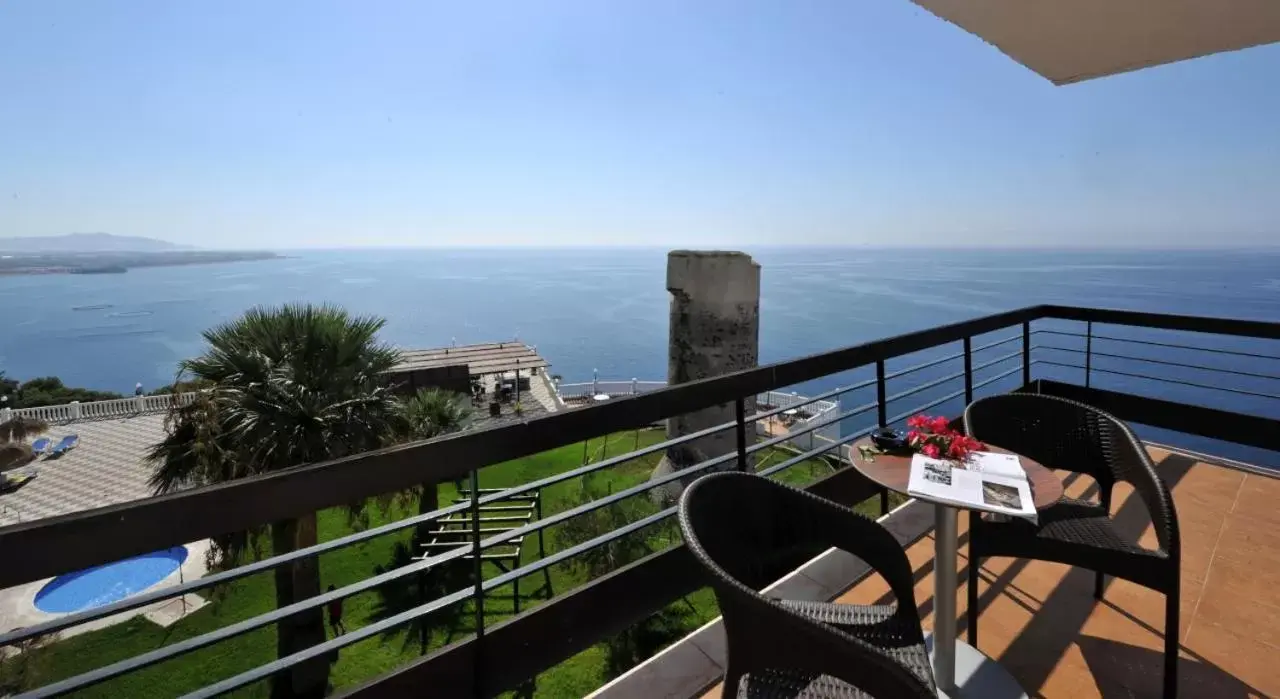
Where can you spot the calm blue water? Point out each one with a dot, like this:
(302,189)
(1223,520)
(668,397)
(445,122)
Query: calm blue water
(607,309)
(104,584)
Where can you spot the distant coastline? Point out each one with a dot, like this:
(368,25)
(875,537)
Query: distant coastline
(117,262)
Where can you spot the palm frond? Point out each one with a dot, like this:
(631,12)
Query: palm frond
(19,428)
(432,412)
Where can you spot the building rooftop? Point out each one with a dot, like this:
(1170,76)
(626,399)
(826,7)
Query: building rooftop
(482,359)
(107,467)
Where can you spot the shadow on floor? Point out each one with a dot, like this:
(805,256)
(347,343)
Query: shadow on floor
(1133,671)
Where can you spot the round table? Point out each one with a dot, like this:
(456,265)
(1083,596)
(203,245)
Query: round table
(600,397)
(959,669)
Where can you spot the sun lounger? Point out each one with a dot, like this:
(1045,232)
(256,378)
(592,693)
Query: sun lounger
(41,445)
(10,482)
(68,443)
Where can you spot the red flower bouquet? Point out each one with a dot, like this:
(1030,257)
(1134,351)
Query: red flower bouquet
(933,437)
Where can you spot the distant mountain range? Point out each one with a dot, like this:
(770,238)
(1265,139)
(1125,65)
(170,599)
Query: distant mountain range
(88,242)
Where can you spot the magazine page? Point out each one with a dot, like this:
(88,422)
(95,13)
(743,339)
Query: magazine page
(950,482)
(991,463)
(936,479)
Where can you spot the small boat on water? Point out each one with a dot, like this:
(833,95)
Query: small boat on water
(95,307)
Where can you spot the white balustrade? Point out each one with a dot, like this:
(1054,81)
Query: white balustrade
(116,407)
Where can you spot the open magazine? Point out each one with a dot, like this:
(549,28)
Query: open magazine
(984,481)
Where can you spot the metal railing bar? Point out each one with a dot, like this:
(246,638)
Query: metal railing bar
(1064,333)
(183,647)
(225,576)
(1141,320)
(997,360)
(1148,377)
(263,671)
(949,357)
(1213,350)
(1191,384)
(507,578)
(56,544)
(816,451)
(925,386)
(1166,321)
(655,482)
(950,377)
(337,643)
(1096,353)
(192,644)
(256,567)
(577,549)
(601,465)
(931,404)
(1154,343)
(593,505)
(997,377)
(1050,362)
(661,446)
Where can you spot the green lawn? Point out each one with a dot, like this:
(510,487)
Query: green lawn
(255,595)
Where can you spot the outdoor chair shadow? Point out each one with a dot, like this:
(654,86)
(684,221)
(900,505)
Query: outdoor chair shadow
(1142,670)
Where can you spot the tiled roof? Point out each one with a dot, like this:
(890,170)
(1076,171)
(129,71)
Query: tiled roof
(107,467)
(491,358)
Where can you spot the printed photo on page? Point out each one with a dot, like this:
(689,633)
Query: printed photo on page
(963,485)
(991,463)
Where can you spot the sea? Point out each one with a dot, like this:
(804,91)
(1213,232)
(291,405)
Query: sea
(605,310)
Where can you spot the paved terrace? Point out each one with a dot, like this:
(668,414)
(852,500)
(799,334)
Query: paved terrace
(1040,619)
(107,467)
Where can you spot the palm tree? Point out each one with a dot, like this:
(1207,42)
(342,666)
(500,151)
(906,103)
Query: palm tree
(18,428)
(291,385)
(14,451)
(432,412)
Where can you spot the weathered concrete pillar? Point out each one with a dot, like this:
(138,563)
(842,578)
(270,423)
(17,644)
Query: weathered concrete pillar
(715,329)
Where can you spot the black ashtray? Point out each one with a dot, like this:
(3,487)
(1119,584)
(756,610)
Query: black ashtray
(889,441)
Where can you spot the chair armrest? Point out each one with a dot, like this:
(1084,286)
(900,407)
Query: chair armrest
(831,524)
(811,646)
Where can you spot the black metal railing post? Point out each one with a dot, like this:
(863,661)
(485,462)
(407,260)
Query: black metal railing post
(478,592)
(1026,354)
(968,370)
(740,408)
(882,410)
(1088,351)
(882,419)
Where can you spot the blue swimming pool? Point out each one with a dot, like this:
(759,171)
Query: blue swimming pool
(111,582)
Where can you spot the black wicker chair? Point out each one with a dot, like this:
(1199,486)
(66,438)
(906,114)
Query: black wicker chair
(1063,434)
(747,531)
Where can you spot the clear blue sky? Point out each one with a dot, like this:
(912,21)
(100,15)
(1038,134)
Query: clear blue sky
(716,122)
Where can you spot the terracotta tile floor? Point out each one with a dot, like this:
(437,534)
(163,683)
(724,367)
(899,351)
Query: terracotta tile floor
(1041,621)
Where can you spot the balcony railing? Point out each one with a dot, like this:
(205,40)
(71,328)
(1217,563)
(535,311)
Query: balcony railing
(877,383)
(100,409)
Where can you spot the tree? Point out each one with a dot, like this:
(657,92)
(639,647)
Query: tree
(14,451)
(429,413)
(48,390)
(20,427)
(627,648)
(180,386)
(289,386)
(432,412)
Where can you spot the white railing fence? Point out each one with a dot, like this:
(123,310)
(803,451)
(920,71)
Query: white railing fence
(609,388)
(98,409)
(806,409)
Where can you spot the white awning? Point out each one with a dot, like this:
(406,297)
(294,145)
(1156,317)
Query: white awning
(1071,40)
